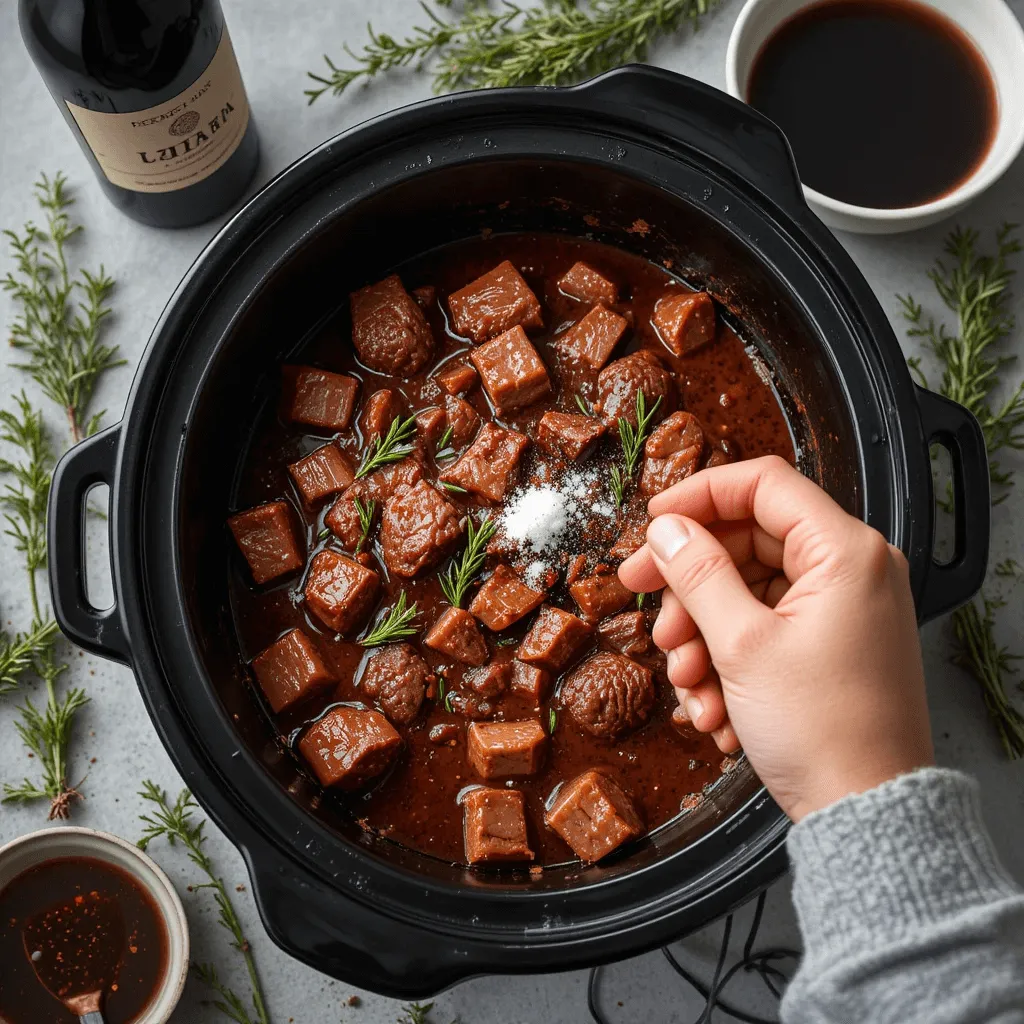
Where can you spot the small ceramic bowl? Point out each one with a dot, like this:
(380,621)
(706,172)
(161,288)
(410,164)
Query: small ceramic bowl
(21,854)
(991,26)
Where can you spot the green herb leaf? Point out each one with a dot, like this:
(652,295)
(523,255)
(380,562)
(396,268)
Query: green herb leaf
(365,513)
(582,404)
(441,450)
(392,447)
(453,488)
(552,720)
(393,626)
(640,598)
(456,580)
(618,486)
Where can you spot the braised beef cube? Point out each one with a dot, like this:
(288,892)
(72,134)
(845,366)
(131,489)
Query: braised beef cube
(318,398)
(512,373)
(470,705)
(568,434)
(494,303)
(342,518)
(594,816)
(672,452)
(291,670)
(577,567)
(458,378)
(323,472)
(634,532)
(379,411)
(266,536)
(592,339)
(396,677)
(684,321)
(502,749)
(495,826)
(627,633)
(600,595)
(425,295)
(430,425)
(418,527)
(382,483)
(504,599)
(349,746)
(581,281)
(445,734)
(489,467)
(457,635)
(462,418)
(490,680)
(608,695)
(530,681)
(339,591)
(554,640)
(389,330)
(619,382)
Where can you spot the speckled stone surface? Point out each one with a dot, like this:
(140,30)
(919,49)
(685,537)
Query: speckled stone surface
(116,747)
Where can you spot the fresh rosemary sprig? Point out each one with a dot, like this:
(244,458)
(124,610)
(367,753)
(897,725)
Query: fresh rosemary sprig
(554,42)
(456,580)
(442,451)
(416,1013)
(552,720)
(365,513)
(21,653)
(453,488)
(174,822)
(393,626)
(632,439)
(392,447)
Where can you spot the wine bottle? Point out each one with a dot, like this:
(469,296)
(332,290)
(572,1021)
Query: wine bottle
(153,93)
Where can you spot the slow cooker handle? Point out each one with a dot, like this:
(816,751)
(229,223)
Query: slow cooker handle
(949,584)
(91,462)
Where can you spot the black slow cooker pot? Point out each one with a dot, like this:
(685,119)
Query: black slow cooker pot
(644,159)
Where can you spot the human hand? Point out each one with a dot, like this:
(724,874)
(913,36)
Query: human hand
(790,629)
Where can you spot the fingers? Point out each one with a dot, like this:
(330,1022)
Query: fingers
(704,704)
(688,663)
(673,626)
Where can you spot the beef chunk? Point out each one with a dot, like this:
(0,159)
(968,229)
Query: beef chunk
(343,519)
(389,330)
(592,339)
(634,533)
(684,320)
(608,695)
(490,680)
(458,378)
(581,281)
(349,746)
(471,705)
(425,295)
(618,383)
(445,734)
(501,749)
(513,374)
(418,527)
(600,595)
(430,425)
(530,681)
(323,472)
(396,677)
(568,434)
(379,411)
(554,640)
(457,635)
(594,816)
(495,826)
(577,567)
(318,398)
(489,466)
(290,670)
(267,538)
(339,591)
(462,418)
(627,633)
(721,455)
(494,303)
(504,599)
(672,452)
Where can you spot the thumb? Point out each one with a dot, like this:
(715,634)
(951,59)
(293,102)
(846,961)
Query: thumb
(699,571)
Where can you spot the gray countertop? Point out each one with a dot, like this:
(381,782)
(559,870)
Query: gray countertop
(115,743)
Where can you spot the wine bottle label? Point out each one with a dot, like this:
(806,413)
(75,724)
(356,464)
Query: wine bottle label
(177,142)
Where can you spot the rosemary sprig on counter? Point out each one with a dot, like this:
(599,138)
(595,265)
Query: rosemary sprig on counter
(460,574)
(394,625)
(365,513)
(174,822)
(484,45)
(632,439)
(392,447)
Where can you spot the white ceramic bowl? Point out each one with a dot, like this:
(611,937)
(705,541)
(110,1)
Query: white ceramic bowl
(37,847)
(998,35)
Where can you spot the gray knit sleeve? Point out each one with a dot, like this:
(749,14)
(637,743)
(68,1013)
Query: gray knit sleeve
(906,913)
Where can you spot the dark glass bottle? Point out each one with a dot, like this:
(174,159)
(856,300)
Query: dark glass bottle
(153,93)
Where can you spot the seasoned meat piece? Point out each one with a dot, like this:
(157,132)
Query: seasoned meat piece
(581,281)
(554,640)
(462,418)
(594,816)
(430,425)
(513,374)
(445,734)
(530,681)
(493,303)
(684,320)
(600,595)
(627,633)
(396,677)
(379,411)
(672,452)
(382,483)
(266,536)
(425,295)
(323,472)
(457,635)
(339,591)
(568,434)
(318,398)
(488,468)
(494,822)
(389,330)
(592,339)
(418,527)
(349,746)
(608,694)
(634,533)
(721,455)
(458,378)
(501,749)
(619,381)
(343,518)
(577,567)
(504,599)
(489,680)
(470,705)
(291,670)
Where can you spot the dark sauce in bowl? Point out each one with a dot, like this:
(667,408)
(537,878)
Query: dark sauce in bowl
(887,103)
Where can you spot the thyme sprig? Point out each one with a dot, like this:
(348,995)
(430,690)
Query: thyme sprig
(461,573)
(365,513)
(484,45)
(175,823)
(632,439)
(394,625)
(392,447)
